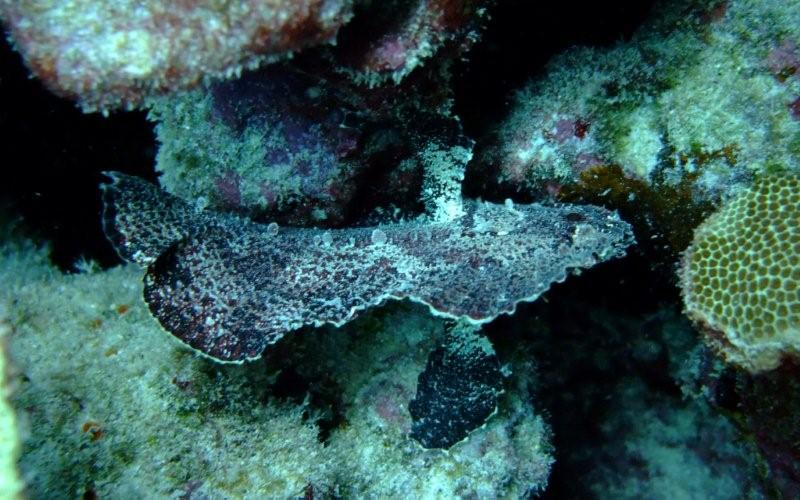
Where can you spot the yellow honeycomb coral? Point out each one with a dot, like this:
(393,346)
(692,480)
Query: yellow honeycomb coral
(740,278)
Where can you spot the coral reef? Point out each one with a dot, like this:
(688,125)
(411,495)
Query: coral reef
(299,145)
(766,407)
(666,448)
(318,174)
(113,411)
(108,54)
(740,277)
(705,88)
(229,287)
(641,428)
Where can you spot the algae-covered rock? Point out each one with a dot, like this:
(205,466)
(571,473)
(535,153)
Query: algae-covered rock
(112,54)
(704,89)
(299,144)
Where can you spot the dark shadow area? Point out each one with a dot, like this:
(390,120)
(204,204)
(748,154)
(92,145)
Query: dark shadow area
(588,335)
(53,158)
(521,37)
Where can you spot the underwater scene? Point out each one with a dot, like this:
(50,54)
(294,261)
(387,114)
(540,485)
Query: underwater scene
(423,249)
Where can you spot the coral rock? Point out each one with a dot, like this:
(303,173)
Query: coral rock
(273,140)
(401,35)
(295,144)
(741,276)
(691,94)
(108,54)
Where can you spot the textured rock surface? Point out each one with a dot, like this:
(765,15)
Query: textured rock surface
(229,287)
(705,90)
(402,34)
(299,144)
(112,53)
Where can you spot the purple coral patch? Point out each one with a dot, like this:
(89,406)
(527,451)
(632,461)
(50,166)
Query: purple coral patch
(229,190)
(300,118)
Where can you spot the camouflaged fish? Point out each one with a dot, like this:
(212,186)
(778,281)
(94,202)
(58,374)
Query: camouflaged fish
(229,287)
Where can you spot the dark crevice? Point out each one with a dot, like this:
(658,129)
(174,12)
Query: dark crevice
(53,159)
(519,40)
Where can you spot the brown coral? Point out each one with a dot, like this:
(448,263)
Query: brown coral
(112,53)
(740,278)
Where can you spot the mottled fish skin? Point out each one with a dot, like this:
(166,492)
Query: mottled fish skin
(229,287)
(140,221)
(458,390)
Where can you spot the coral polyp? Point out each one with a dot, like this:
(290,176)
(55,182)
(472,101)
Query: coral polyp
(740,278)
